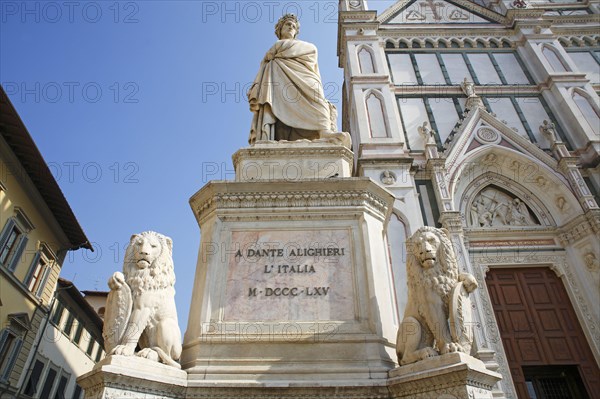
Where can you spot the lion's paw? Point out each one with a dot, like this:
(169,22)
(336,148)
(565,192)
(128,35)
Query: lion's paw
(427,353)
(451,348)
(149,353)
(123,350)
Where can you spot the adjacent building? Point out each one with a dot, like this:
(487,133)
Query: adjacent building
(37,229)
(71,344)
(97,300)
(482,117)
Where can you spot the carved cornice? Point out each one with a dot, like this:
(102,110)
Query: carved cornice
(452,221)
(210,391)
(358,16)
(579,228)
(371,79)
(574,19)
(576,32)
(450,34)
(358,392)
(248,198)
(299,199)
(593,218)
(519,15)
(290,152)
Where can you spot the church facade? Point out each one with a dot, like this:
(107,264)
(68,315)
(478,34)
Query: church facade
(482,117)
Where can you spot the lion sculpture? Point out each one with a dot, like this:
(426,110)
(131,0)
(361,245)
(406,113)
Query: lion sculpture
(140,308)
(437,319)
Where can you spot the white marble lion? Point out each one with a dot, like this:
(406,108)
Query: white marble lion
(437,319)
(140,307)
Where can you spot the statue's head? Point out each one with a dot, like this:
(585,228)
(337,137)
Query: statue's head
(285,25)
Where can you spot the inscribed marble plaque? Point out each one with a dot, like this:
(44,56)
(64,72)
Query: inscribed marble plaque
(290,275)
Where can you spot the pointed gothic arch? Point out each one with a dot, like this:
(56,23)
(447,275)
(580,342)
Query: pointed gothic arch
(375,106)
(493,201)
(554,58)
(587,106)
(547,193)
(366,59)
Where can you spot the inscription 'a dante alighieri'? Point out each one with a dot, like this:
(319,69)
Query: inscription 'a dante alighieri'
(290,275)
(293,252)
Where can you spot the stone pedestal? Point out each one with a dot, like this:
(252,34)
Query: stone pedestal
(451,376)
(296,161)
(133,377)
(292,281)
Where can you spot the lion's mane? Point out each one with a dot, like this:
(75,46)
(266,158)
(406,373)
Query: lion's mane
(159,275)
(442,277)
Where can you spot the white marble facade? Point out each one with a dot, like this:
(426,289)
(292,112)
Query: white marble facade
(513,180)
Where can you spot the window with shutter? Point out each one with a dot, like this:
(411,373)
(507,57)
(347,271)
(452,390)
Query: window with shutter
(13,240)
(8,241)
(10,345)
(34,378)
(39,271)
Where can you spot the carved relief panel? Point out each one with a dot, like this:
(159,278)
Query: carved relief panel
(494,207)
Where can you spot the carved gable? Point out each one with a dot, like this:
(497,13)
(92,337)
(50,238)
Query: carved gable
(434,11)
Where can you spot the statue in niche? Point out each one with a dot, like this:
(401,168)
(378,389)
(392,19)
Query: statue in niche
(468,88)
(438,318)
(473,100)
(592,264)
(388,177)
(426,133)
(140,308)
(548,129)
(495,208)
(287,97)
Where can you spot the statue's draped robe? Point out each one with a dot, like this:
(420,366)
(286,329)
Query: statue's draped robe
(288,90)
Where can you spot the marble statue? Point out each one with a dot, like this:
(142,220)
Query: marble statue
(548,129)
(287,97)
(140,308)
(473,100)
(468,88)
(437,319)
(426,133)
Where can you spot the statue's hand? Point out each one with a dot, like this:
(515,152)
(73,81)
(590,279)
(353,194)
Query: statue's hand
(269,56)
(253,104)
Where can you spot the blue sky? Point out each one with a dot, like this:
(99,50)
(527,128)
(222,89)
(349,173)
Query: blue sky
(136,105)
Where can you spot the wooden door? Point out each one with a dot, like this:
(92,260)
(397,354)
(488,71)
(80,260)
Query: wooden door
(539,327)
